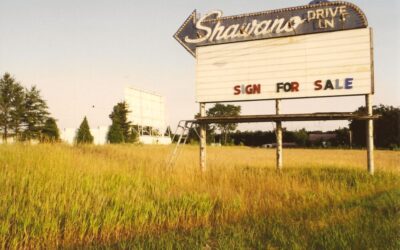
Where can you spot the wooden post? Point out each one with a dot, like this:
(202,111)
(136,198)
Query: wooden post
(279,161)
(351,139)
(203,139)
(370,135)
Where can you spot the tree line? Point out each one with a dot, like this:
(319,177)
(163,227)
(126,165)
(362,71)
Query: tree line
(24,116)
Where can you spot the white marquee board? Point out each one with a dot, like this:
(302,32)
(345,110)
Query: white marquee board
(147,109)
(317,65)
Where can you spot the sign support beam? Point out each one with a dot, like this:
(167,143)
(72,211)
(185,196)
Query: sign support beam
(370,135)
(279,160)
(278,118)
(203,136)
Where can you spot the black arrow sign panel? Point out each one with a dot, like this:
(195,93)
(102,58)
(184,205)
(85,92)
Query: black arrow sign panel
(213,28)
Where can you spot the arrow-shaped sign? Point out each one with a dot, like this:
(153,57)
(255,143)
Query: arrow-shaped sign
(213,28)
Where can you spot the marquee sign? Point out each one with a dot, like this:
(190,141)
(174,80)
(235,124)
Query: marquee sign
(315,65)
(213,28)
(318,50)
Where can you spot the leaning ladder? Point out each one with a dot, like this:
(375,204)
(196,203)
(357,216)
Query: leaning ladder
(182,130)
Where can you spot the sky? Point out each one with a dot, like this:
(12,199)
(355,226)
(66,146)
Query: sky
(81,55)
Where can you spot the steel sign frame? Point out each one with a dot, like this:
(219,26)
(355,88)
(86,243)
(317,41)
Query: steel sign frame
(213,28)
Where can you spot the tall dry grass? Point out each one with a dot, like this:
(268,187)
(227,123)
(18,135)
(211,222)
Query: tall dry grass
(123,196)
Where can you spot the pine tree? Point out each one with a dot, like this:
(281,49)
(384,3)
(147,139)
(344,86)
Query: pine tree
(50,132)
(120,125)
(119,115)
(83,135)
(22,112)
(10,103)
(35,114)
(18,111)
(133,137)
(114,134)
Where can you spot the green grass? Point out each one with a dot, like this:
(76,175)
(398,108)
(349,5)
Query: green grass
(56,196)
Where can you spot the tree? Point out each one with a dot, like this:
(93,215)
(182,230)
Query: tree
(11,95)
(133,137)
(18,111)
(253,138)
(386,128)
(195,132)
(342,138)
(35,114)
(224,110)
(114,134)
(120,115)
(120,125)
(50,132)
(23,112)
(301,137)
(83,135)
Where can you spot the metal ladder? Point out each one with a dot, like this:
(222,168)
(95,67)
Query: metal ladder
(183,129)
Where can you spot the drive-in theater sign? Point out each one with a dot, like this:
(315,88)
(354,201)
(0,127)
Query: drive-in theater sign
(317,50)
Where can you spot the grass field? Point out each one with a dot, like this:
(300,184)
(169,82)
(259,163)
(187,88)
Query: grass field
(122,197)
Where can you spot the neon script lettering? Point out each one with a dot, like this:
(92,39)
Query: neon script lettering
(242,30)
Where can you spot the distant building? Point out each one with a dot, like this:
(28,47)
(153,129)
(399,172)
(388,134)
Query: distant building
(318,137)
(99,135)
(321,138)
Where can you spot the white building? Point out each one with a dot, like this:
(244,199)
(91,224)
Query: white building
(99,135)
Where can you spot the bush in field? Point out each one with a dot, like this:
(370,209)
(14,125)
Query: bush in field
(83,135)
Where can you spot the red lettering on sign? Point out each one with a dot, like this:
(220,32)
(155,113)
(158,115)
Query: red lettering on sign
(249,89)
(256,88)
(295,87)
(236,90)
(318,85)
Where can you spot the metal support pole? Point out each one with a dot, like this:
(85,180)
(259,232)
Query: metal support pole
(370,135)
(203,138)
(279,161)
